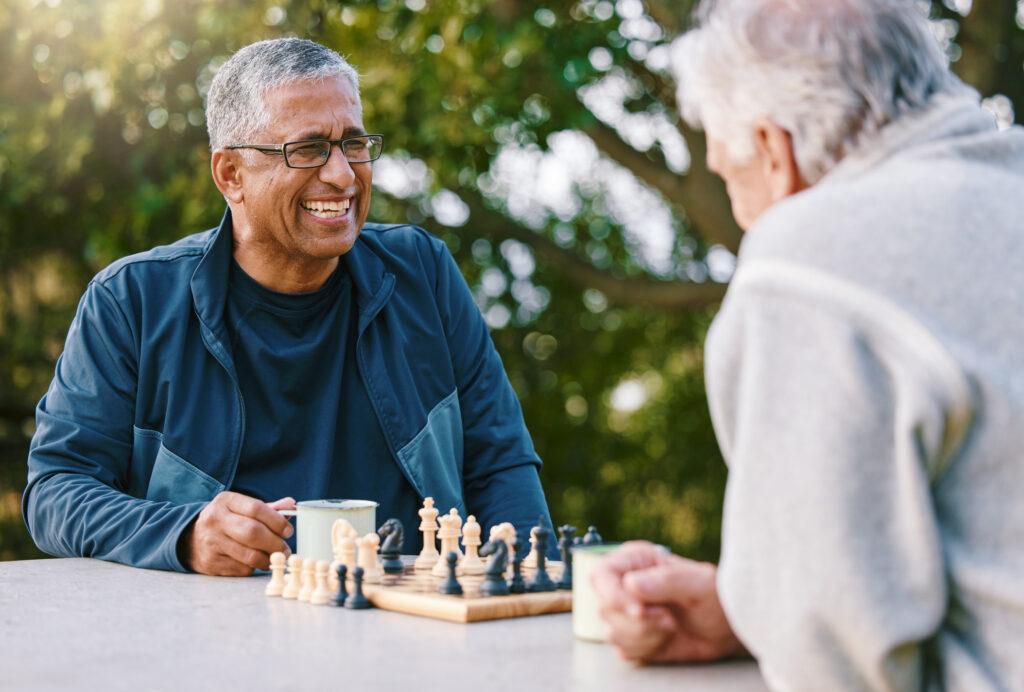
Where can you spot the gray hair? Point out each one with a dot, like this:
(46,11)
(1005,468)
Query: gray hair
(235,105)
(830,72)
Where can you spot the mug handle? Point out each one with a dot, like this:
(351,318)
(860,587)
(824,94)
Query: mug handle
(287,512)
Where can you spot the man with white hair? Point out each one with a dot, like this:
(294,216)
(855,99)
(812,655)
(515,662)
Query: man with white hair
(294,352)
(865,373)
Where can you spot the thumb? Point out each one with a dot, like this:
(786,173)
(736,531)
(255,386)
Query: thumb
(283,503)
(680,582)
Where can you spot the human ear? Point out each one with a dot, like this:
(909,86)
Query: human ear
(227,174)
(778,160)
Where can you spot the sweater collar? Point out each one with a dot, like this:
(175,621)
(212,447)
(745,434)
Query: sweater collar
(949,115)
(209,283)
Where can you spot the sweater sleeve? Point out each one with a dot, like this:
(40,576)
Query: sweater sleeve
(835,415)
(501,467)
(76,503)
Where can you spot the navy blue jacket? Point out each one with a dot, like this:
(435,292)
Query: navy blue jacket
(144,421)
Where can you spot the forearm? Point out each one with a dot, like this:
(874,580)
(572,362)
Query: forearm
(73,515)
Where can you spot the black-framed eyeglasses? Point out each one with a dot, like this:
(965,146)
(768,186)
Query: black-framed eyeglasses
(313,153)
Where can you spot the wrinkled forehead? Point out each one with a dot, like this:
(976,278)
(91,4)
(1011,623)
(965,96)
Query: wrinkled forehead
(317,108)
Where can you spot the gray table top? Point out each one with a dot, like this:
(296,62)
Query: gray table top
(82,624)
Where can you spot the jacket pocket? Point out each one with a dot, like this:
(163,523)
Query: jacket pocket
(433,458)
(175,480)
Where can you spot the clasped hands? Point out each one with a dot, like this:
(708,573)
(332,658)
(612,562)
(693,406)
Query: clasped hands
(235,534)
(661,607)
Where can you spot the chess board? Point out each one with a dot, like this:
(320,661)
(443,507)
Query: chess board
(415,593)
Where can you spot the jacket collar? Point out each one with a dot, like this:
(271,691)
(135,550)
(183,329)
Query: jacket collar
(209,283)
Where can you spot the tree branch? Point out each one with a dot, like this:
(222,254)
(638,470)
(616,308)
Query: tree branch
(699,195)
(661,295)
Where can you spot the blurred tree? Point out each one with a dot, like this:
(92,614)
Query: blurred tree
(540,141)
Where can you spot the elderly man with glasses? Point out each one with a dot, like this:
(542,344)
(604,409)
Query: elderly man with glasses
(865,374)
(294,352)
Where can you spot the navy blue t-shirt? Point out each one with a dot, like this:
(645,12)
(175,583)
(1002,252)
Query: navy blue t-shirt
(310,429)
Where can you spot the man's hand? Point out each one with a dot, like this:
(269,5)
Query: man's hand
(236,534)
(660,607)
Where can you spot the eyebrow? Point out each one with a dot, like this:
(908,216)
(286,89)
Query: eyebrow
(319,134)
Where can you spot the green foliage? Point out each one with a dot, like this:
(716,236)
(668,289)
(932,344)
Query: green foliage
(103,152)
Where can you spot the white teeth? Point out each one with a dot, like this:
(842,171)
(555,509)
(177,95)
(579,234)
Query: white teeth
(328,209)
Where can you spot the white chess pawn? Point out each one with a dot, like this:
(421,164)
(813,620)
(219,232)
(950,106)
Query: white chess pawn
(321,595)
(276,585)
(293,580)
(428,525)
(368,560)
(471,564)
(308,579)
(531,559)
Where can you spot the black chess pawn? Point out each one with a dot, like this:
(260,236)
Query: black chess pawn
(517,585)
(451,586)
(592,537)
(339,598)
(565,546)
(356,600)
(541,581)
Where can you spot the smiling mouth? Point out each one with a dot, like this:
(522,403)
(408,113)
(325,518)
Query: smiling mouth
(327,210)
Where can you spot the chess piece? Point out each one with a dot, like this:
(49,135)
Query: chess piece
(347,551)
(471,564)
(592,537)
(292,580)
(332,576)
(308,579)
(356,600)
(276,585)
(391,534)
(340,573)
(372,571)
(450,586)
(429,556)
(517,585)
(566,534)
(494,576)
(541,581)
(339,529)
(451,525)
(321,595)
(505,531)
(531,559)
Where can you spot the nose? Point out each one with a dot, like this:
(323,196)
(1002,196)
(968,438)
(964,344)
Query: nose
(337,170)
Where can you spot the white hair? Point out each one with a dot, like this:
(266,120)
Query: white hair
(236,104)
(830,72)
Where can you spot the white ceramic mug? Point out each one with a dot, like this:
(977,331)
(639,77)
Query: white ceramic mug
(314,519)
(586,622)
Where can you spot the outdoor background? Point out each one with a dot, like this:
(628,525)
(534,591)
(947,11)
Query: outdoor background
(540,141)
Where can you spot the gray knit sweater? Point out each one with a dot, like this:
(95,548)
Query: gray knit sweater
(866,381)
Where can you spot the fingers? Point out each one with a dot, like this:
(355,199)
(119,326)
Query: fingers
(607,576)
(254,536)
(283,503)
(639,638)
(235,534)
(677,581)
(260,511)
